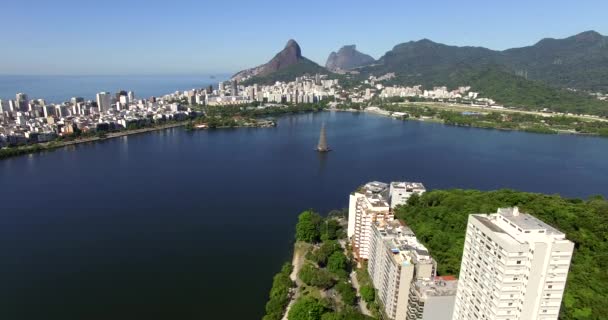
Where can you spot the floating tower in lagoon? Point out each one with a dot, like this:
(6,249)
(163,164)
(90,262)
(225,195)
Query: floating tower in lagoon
(322,146)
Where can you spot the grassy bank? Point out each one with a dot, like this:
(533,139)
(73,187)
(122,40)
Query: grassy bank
(502,120)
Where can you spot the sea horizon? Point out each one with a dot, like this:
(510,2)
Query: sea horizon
(60,88)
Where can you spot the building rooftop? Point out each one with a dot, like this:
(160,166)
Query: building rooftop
(407,186)
(403,243)
(438,287)
(511,224)
(525,221)
(375,186)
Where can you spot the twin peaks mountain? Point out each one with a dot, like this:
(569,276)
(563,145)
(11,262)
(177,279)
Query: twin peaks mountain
(285,66)
(348,58)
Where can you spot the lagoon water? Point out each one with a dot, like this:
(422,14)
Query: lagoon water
(178,225)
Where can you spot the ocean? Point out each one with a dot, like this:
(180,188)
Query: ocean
(56,89)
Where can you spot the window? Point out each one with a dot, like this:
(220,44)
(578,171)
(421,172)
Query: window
(518,261)
(550,286)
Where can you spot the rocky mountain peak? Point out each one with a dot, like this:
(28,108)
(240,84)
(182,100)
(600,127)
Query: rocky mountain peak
(348,58)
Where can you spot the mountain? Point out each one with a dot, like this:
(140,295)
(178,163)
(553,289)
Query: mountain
(579,62)
(348,58)
(286,65)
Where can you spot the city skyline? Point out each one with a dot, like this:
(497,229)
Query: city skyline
(63,38)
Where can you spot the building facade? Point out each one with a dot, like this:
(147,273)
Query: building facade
(396,260)
(400,192)
(514,267)
(104,101)
(367,205)
(432,299)
(373,202)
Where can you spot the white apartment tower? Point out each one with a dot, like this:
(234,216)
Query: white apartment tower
(396,261)
(372,203)
(514,267)
(367,205)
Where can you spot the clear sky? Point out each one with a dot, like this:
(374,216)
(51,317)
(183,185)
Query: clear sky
(201,37)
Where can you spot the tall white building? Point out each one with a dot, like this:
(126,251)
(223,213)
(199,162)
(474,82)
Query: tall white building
(374,202)
(104,101)
(367,205)
(514,267)
(399,192)
(396,261)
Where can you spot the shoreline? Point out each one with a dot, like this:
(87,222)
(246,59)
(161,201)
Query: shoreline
(50,146)
(384,113)
(53,145)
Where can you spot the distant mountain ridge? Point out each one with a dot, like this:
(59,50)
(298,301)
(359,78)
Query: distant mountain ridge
(348,58)
(285,65)
(532,77)
(579,62)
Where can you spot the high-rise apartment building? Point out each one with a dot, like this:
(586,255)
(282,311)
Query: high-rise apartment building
(374,202)
(432,299)
(396,261)
(367,205)
(22,102)
(131,96)
(514,267)
(104,101)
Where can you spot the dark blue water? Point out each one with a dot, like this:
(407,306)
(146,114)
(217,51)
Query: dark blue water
(177,225)
(58,89)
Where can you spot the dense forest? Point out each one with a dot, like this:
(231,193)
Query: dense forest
(439,219)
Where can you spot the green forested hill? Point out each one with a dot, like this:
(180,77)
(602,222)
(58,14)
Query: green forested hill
(579,62)
(532,77)
(439,219)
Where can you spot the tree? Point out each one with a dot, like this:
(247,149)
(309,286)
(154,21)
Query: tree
(413,200)
(321,255)
(313,276)
(306,308)
(279,293)
(330,230)
(307,229)
(347,314)
(338,263)
(348,294)
(368,293)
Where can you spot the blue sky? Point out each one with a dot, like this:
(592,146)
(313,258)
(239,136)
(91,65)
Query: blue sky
(201,37)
